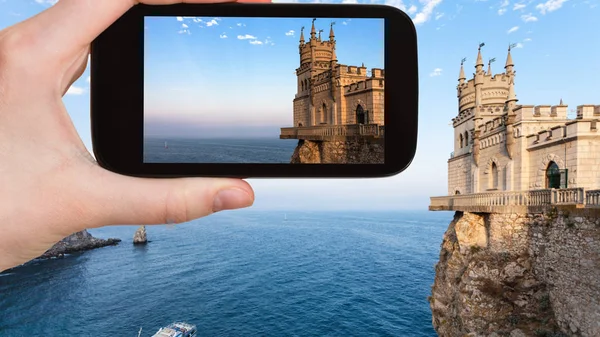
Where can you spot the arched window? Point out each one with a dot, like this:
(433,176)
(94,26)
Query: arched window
(324,114)
(552,175)
(457,192)
(466,138)
(494,177)
(461,140)
(360,115)
(302,85)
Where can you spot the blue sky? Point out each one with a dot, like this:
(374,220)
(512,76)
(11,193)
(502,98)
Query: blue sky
(557,57)
(194,66)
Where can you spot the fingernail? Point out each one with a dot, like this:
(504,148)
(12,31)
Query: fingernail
(231,198)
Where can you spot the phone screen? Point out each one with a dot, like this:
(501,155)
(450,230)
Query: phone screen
(259,90)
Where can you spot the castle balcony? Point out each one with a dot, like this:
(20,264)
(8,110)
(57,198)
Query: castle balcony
(334,132)
(532,201)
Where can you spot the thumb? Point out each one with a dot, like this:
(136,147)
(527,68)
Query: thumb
(129,200)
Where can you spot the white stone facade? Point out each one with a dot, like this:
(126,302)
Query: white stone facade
(502,146)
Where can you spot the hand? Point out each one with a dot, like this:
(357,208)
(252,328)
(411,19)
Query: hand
(50,186)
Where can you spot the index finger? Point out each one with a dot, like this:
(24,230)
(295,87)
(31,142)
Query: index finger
(71,25)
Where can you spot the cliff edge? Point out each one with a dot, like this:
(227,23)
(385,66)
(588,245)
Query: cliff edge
(519,275)
(359,151)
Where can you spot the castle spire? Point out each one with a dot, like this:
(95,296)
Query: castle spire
(492,60)
(479,62)
(561,102)
(509,60)
(302,35)
(461,75)
(313,32)
(331,35)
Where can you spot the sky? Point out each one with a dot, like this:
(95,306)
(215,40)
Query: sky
(195,65)
(557,53)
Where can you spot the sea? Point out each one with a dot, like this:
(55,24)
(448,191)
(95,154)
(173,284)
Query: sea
(239,273)
(219,150)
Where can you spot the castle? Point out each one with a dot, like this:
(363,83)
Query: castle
(332,99)
(502,146)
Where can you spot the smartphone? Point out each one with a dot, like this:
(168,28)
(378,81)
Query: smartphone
(256,91)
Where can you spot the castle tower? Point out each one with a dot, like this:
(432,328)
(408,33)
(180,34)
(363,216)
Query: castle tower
(461,81)
(478,82)
(510,105)
(334,60)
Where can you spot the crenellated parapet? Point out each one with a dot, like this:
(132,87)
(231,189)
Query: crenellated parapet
(494,90)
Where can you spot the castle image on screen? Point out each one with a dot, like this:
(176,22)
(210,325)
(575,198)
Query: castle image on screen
(336,111)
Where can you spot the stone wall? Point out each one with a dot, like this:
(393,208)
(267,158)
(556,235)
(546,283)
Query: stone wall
(359,151)
(519,275)
(459,175)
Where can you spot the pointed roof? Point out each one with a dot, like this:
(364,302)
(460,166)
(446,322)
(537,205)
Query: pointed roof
(461,75)
(561,102)
(479,61)
(331,35)
(509,60)
(313,32)
(489,71)
(302,34)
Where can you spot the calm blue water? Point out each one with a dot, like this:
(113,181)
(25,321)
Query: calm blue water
(251,150)
(242,273)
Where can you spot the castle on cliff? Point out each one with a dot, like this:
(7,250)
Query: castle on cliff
(500,145)
(332,99)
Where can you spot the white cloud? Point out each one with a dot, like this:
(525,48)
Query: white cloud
(516,7)
(47,2)
(223,36)
(519,45)
(197,20)
(503,6)
(179,18)
(256,42)
(290,33)
(412,10)
(184,26)
(439,16)
(241,25)
(436,72)
(73,90)
(185,31)
(425,13)
(349,1)
(550,6)
(528,18)
(246,37)
(513,29)
(396,3)
(527,40)
(212,22)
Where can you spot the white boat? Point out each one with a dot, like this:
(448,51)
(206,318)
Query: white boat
(177,329)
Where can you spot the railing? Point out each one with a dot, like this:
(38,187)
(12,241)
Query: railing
(544,197)
(592,198)
(334,130)
(568,196)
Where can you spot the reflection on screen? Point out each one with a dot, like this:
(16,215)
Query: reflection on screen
(263,90)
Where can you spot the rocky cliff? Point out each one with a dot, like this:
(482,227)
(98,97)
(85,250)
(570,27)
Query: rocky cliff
(519,275)
(77,242)
(367,151)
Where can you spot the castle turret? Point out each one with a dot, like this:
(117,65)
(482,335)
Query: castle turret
(461,81)
(477,116)
(331,35)
(510,105)
(313,32)
(302,36)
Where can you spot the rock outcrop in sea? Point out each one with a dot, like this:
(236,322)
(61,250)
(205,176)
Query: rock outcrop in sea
(519,275)
(77,242)
(140,236)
